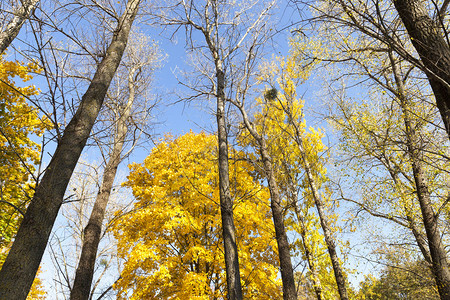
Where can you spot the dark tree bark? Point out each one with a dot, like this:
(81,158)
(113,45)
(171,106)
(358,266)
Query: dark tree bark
(21,14)
(438,254)
(85,271)
(234,287)
(286,270)
(21,265)
(329,240)
(309,256)
(434,51)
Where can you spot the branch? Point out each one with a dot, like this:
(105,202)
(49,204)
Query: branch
(443,9)
(15,207)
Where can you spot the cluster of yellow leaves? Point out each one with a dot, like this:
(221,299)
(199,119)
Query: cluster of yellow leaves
(172,240)
(18,153)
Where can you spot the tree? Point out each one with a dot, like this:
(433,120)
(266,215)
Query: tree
(409,279)
(19,14)
(138,60)
(66,242)
(280,127)
(373,45)
(171,240)
(422,158)
(231,33)
(418,33)
(21,265)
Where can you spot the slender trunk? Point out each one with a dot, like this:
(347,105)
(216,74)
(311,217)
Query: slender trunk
(430,220)
(319,203)
(83,279)
(287,272)
(339,275)
(434,51)
(234,287)
(21,14)
(411,224)
(420,240)
(309,256)
(22,263)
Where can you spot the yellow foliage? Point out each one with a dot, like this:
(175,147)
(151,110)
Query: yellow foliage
(172,240)
(18,153)
(37,291)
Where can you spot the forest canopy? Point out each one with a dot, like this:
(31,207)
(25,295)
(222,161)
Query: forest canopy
(211,149)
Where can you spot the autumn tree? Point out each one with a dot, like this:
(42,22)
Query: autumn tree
(372,52)
(21,265)
(223,35)
(20,154)
(279,130)
(416,136)
(171,240)
(402,277)
(421,37)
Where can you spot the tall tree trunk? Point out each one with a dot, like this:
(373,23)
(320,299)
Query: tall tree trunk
(433,50)
(329,240)
(430,220)
(234,287)
(21,14)
(23,261)
(287,272)
(309,256)
(85,271)
(319,203)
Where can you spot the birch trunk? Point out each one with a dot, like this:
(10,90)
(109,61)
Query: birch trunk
(21,14)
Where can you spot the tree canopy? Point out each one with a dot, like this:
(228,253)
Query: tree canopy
(171,240)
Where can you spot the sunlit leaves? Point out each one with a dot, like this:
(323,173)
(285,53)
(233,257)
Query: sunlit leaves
(172,240)
(19,154)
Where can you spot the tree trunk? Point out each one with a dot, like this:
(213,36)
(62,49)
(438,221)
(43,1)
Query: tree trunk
(309,256)
(234,287)
(433,50)
(22,263)
(339,275)
(287,272)
(319,203)
(20,16)
(83,279)
(284,254)
(430,220)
